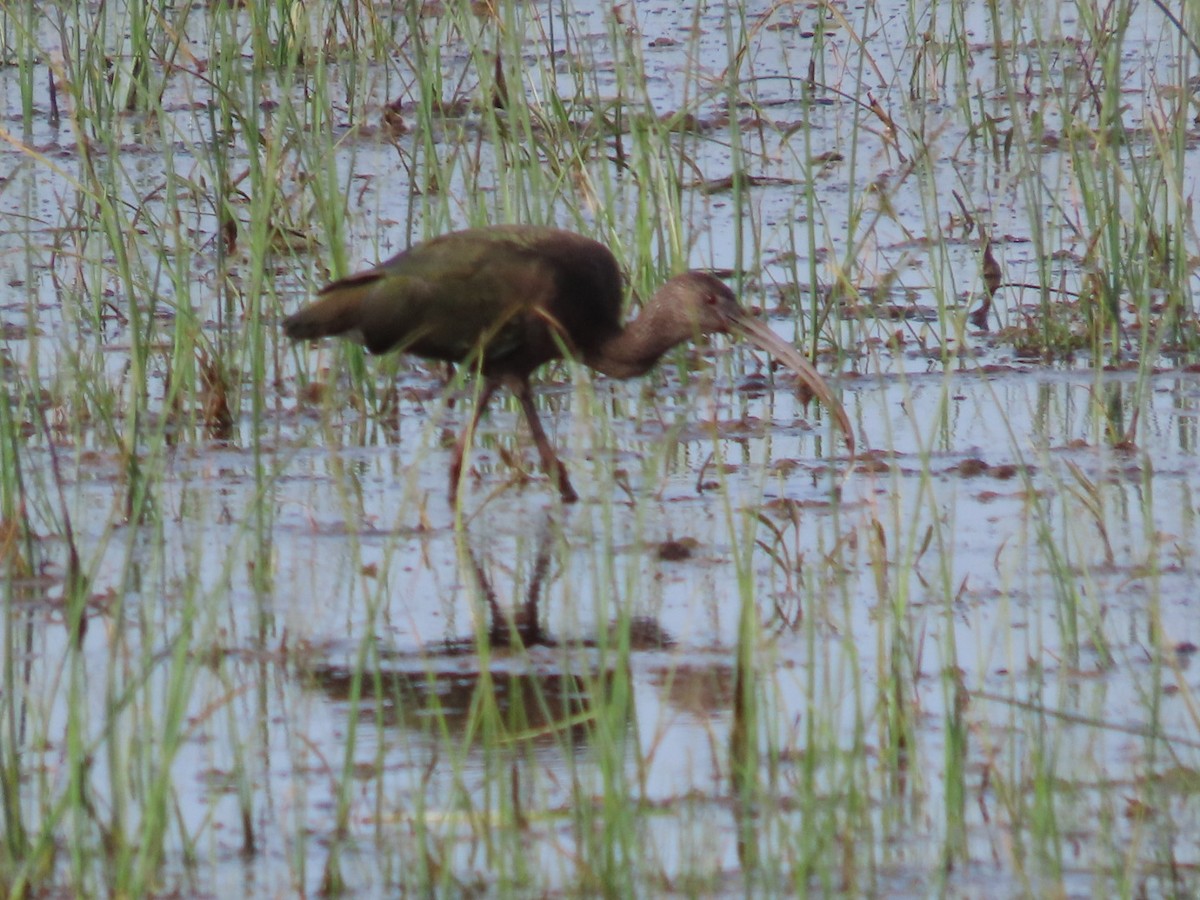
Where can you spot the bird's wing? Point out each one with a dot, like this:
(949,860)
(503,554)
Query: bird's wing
(453,299)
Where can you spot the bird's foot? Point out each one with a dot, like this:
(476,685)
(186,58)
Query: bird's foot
(564,486)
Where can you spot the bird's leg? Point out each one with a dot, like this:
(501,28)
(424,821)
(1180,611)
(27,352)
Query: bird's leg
(467,435)
(550,461)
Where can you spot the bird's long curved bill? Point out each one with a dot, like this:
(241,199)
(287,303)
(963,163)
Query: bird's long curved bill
(765,339)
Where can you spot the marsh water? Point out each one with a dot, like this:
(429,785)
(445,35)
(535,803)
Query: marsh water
(971,644)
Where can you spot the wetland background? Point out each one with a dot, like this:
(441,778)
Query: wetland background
(249,649)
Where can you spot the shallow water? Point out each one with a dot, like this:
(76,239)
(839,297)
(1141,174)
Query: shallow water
(1014,545)
(357,563)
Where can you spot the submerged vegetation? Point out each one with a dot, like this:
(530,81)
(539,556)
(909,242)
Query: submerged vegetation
(249,648)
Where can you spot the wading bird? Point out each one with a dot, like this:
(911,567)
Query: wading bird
(507,298)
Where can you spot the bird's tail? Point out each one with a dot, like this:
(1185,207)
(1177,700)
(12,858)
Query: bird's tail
(338,311)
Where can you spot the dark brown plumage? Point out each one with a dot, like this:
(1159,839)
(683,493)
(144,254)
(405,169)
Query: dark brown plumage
(509,298)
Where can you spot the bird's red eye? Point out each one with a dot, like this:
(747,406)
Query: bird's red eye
(711,299)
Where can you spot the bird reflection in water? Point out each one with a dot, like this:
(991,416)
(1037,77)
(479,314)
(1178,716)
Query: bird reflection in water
(528,683)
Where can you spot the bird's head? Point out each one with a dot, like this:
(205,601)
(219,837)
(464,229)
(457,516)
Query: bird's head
(701,302)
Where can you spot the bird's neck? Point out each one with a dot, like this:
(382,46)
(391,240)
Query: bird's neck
(635,349)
